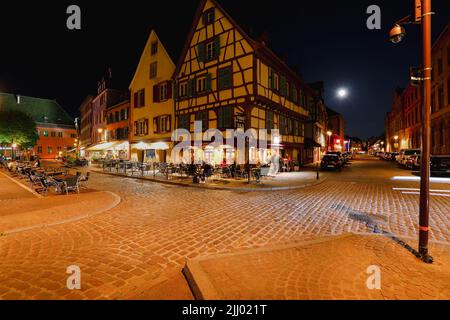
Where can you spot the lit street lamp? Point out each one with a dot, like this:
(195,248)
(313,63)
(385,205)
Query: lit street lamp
(422,14)
(329,134)
(100,131)
(13,151)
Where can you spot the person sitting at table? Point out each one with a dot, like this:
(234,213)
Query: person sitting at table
(192,169)
(37,163)
(207,171)
(233,169)
(257,171)
(12,165)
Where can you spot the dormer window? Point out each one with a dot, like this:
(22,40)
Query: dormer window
(209,16)
(154,48)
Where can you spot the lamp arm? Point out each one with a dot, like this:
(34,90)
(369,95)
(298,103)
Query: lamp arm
(405,20)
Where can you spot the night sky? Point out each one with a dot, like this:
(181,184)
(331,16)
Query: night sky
(326,40)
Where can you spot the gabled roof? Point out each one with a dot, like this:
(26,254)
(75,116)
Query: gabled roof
(257,46)
(441,35)
(41,110)
(332,113)
(147,43)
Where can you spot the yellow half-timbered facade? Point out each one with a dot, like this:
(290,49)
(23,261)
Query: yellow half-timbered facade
(227,80)
(152,103)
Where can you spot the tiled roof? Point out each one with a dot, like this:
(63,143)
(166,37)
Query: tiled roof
(41,110)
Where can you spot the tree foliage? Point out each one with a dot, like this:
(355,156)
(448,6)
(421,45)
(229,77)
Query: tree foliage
(17,127)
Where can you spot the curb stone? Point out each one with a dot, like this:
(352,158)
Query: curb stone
(262,189)
(203,289)
(116,202)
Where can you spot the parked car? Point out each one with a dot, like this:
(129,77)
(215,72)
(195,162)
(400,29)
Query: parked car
(393,156)
(331,161)
(387,156)
(399,156)
(337,153)
(406,154)
(412,162)
(438,164)
(348,156)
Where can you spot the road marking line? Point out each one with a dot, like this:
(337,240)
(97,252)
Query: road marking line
(416,189)
(431,194)
(407,178)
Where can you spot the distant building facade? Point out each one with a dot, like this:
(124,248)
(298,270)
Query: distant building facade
(118,131)
(440,101)
(395,140)
(336,126)
(86,121)
(94,123)
(316,127)
(56,129)
(403,123)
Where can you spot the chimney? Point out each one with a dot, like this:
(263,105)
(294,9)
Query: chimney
(263,38)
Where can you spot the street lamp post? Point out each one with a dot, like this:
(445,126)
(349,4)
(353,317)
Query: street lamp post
(425,172)
(100,131)
(396,35)
(329,134)
(13,151)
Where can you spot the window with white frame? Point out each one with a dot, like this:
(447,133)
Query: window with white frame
(163,91)
(201,84)
(276,81)
(211,50)
(153,70)
(183,89)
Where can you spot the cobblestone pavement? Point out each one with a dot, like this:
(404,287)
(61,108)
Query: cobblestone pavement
(10,191)
(144,242)
(330,268)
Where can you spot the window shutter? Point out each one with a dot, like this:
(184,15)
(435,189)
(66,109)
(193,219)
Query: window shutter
(136,98)
(204,18)
(155,93)
(169,123)
(283,85)
(135,128)
(169,90)
(142,98)
(155,125)
(228,117)
(201,52)
(271,79)
(217,53)
(208,82)
(175,90)
(146,126)
(191,87)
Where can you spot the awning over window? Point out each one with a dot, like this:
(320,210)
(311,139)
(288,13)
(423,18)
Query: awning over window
(114,145)
(150,146)
(310,143)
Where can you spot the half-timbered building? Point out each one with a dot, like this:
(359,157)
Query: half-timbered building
(227,80)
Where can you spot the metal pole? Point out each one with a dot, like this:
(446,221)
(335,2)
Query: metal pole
(318,171)
(426,134)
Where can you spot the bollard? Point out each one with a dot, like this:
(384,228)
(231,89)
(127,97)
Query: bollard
(318,171)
